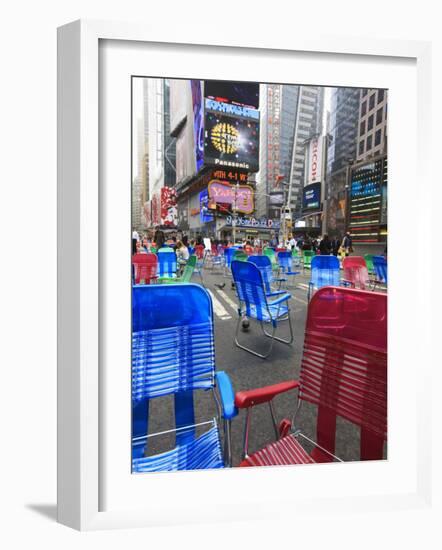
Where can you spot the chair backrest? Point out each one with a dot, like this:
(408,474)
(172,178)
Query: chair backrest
(172,340)
(167,264)
(307,256)
(250,288)
(324,271)
(380,268)
(285,260)
(188,270)
(264,265)
(344,366)
(355,271)
(145,268)
(270,253)
(228,255)
(369,261)
(240,256)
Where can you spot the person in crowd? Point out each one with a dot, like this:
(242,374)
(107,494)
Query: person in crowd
(335,245)
(185,240)
(325,246)
(159,238)
(135,240)
(347,244)
(274,242)
(307,244)
(182,254)
(248,247)
(291,243)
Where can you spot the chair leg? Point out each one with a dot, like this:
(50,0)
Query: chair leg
(288,342)
(262,356)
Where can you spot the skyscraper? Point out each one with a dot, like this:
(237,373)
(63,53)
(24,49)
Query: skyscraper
(342,138)
(289,116)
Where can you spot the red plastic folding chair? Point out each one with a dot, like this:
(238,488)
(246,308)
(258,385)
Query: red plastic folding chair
(144,268)
(343,373)
(356,272)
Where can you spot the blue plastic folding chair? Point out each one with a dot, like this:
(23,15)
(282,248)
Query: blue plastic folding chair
(253,303)
(285,262)
(167,264)
(324,272)
(264,264)
(173,353)
(381,271)
(228,258)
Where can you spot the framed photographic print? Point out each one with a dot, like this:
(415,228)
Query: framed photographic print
(224,277)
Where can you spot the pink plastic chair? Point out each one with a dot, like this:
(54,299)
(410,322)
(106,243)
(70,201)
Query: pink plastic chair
(356,272)
(343,373)
(145,268)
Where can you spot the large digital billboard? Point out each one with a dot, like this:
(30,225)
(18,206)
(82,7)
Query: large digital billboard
(239,93)
(231,142)
(311,196)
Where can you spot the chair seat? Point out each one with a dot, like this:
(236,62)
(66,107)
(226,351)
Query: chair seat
(283,452)
(292,272)
(276,312)
(203,452)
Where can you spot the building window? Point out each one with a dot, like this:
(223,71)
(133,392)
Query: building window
(372,101)
(380,95)
(364,108)
(362,128)
(377,137)
(369,142)
(361,147)
(379,116)
(370,122)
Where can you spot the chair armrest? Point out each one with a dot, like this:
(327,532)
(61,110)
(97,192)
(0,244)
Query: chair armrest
(250,398)
(226,394)
(281,299)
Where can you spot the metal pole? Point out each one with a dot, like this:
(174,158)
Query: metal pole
(287,205)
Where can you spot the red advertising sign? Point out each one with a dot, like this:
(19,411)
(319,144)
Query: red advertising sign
(169,212)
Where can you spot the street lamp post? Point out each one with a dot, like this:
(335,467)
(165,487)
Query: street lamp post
(347,194)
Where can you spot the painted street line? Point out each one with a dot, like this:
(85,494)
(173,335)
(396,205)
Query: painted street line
(299,300)
(228,300)
(218,308)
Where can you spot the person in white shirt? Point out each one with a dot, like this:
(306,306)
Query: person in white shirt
(291,243)
(135,239)
(182,254)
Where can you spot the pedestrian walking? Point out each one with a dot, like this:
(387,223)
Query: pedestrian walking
(335,245)
(347,244)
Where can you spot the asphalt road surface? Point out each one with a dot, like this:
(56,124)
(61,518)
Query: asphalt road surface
(247,371)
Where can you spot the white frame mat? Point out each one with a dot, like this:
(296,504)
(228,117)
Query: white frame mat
(80,295)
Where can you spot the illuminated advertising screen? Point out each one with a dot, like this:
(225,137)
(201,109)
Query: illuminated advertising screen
(205,214)
(366,181)
(198,122)
(311,196)
(239,197)
(239,93)
(231,142)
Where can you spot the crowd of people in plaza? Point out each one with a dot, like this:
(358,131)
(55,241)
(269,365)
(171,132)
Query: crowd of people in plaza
(157,240)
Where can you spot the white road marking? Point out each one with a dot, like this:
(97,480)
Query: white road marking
(227,299)
(303,285)
(218,308)
(299,300)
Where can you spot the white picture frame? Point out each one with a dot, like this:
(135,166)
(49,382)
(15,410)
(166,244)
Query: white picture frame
(80,295)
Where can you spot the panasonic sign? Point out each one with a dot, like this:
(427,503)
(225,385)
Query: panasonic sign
(229,109)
